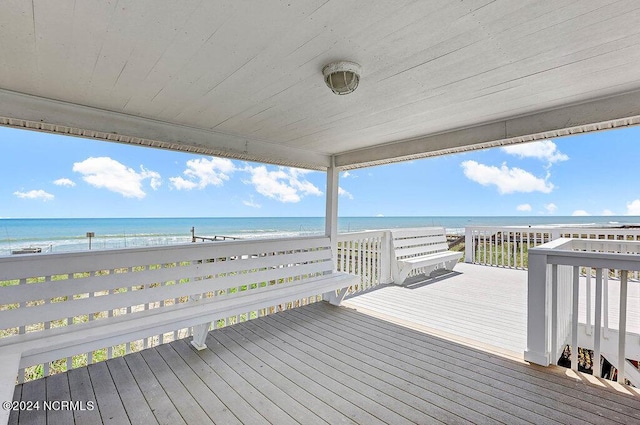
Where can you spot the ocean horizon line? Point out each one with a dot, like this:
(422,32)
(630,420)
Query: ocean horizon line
(312,216)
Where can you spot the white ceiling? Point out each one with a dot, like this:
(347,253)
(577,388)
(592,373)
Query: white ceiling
(243,79)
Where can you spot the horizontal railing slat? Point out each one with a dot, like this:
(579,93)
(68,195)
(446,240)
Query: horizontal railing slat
(399,243)
(76,307)
(15,267)
(64,287)
(413,232)
(421,250)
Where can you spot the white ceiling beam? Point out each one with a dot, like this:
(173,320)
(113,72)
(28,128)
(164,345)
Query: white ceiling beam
(36,113)
(602,114)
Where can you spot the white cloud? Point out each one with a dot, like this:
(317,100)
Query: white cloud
(507,180)
(523,207)
(580,213)
(379,215)
(35,194)
(182,184)
(608,212)
(346,174)
(107,173)
(153,176)
(64,182)
(203,172)
(342,192)
(251,203)
(285,185)
(545,150)
(551,208)
(633,207)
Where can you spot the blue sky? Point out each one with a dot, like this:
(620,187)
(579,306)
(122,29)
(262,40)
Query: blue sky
(45,175)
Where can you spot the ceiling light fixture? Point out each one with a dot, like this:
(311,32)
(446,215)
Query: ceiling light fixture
(342,77)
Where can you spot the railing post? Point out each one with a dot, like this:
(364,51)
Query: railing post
(385,266)
(537,314)
(468,245)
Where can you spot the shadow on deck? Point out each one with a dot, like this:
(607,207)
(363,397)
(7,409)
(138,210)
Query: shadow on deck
(326,364)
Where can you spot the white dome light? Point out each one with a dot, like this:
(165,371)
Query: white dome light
(342,77)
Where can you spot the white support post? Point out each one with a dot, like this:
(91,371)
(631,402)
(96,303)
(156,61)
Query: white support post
(605,303)
(537,313)
(597,332)
(554,313)
(331,214)
(589,327)
(575,302)
(468,245)
(385,266)
(622,327)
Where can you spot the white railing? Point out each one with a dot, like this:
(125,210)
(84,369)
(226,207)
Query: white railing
(508,246)
(366,254)
(565,309)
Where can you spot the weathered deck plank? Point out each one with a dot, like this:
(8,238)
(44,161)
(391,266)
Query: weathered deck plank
(242,407)
(58,390)
(81,390)
(14,414)
(318,382)
(207,399)
(397,394)
(353,391)
(314,410)
(35,391)
(423,376)
(236,378)
(158,400)
(132,398)
(189,409)
(109,402)
(471,374)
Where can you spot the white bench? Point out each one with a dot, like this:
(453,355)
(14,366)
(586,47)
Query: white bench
(210,281)
(422,248)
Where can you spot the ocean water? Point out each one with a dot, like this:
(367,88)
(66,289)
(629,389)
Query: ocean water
(67,234)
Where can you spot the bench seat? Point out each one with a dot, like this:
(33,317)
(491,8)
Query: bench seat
(423,249)
(220,280)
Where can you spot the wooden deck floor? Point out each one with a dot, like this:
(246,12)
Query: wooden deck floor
(485,307)
(327,365)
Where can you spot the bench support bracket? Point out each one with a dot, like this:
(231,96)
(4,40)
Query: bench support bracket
(335,298)
(200,335)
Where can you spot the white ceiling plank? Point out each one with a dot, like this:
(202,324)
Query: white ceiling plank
(532,127)
(18,55)
(251,70)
